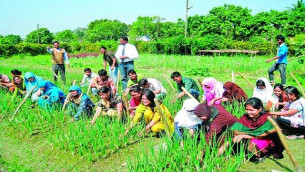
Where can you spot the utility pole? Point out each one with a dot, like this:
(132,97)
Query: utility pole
(38,33)
(186,16)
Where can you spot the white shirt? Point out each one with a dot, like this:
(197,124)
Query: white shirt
(155,85)
(88,79)
(130,51)
(299,117)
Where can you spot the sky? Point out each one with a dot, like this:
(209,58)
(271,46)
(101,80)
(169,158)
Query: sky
(20,17)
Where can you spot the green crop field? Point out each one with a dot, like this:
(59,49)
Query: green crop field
(37,140)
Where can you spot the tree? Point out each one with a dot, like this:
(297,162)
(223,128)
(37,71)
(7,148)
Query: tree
(299,4)
(80,34)
(296,23)
(66,36)
(143,26)
(45,36)
(106,30)
(10,39)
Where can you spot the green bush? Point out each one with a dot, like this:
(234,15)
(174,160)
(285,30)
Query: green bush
(31,48)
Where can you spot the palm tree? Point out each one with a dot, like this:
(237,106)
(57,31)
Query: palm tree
(299,4)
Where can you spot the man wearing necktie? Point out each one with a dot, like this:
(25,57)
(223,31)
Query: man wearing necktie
(125,54)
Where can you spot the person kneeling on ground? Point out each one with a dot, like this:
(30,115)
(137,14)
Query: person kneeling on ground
(188,83)
(232,92)
(103,80)
(152,117)
(110,104)
(31,81)
(80,105)
(51,96)
(292,121)
(213,91)
(263,91)
(154,86)
(186,119)
(255,128)
(88,78)
(136,94)
(134,78)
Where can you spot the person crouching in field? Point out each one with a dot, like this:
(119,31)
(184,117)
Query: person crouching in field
(155,86)
(110,105)
(152,117)
(232,92)
(256,132)
(134,78)
(31,81)
(263,91)
(51,97)
(17,87)
(188,83)
(136,94)
(103,80)
(4,81)
(186,119)
(87,80)
(80,105)
(213,91)
(292,121)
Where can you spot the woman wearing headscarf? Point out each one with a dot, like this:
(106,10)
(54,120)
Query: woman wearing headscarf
(51,96)
(232,92)
(213,91)
(80,104)
(31,81)
(254,128)
(263,90)
(186,119)
(216,120)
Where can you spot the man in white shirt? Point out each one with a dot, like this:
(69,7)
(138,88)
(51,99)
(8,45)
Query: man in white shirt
(87,80)
(154,86)
(125,54)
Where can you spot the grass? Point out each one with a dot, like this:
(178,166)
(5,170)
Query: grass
(38,135)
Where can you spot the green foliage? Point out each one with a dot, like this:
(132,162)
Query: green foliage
(66,36)
(31,48)
(297,44)
(198,71)
(45,36)
(10,39)
(80,34)
(106,30)
(296,22)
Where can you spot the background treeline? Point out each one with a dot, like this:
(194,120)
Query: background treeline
(225,27)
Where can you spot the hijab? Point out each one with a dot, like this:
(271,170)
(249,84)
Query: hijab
(210,92)
(29,85)
(186,117)
(263,94)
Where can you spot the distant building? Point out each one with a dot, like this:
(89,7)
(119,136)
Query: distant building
(145,38)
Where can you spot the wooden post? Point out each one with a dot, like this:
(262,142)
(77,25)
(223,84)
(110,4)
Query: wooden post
(25,98)
(282,138)
(245,79)
(189,94)
(170,84)
(298,83)
(200,83)
(163,117)
(233,76)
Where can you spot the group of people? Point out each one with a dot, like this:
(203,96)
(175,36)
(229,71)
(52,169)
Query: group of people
(285,104)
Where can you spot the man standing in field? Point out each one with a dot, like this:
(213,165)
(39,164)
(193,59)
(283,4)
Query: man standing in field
(59,58)
(281,62)
(188,83)
(125,54)
(109,58)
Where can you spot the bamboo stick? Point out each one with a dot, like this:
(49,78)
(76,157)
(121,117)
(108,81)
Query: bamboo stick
(163,117)
(55,74)
(170,84)
(298,83)
(25,98)
(233,76)
(118,81)
(282,138)
(245,79)
(200,83)
(296,57)
(189,94)
(88,90)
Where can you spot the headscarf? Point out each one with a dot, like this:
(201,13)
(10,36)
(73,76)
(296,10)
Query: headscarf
(75,88)
(203,110)
(30,85)
(265,94)
(235,91)
(46,84)
(210,93)
(186,117)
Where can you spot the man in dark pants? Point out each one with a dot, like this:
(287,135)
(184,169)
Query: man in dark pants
(281,63)
(125,54)
(59,58)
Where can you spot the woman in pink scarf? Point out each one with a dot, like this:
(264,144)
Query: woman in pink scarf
(213,91)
